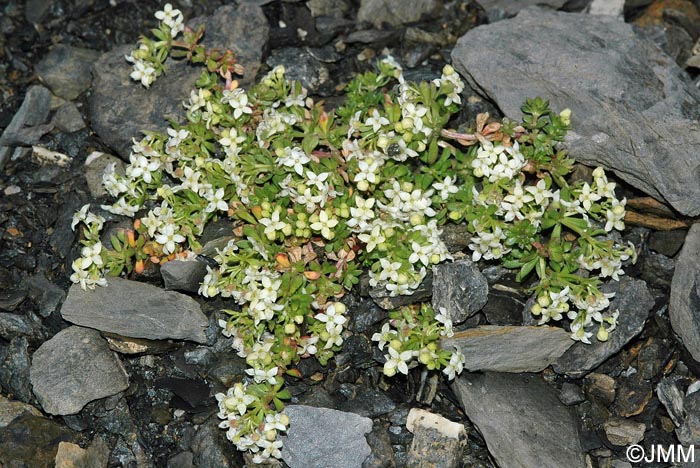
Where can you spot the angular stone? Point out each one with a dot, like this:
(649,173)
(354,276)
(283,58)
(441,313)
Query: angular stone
(11,410)
(626,102)
(386,301)
(74,368)
(73,456)
(633,301)
(460,288)
(523,422)
(437,441)
(600,387)
(120,108)
(689,431)
(33,111)
(623,432)
(12,325)
(66,70)
(325,437)
(45,294)
(395,12)
(571,394)
(671,397)
(68,119)
(300,66)
(612,8)
(183,275)
(499,9)
(136,310)
(510,349)
(14,368)
(32,442)
(684,306)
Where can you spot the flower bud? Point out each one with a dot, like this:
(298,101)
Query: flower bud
(363,186)
(340,307)
(382,142)
(448,70)
(396,344)
(389,371)
(290,328)
(565,116)
(287,229)
(543,300)
(536,309)
(603,334)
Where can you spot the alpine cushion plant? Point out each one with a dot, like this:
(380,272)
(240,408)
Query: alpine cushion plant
(316,196)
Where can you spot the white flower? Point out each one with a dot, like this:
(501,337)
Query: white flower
(217,202)
(455,366)
(446,187)
(79,216)
(587,197)
(376,121)
(384,336)
(316,179)
(141,167)
(362,212)
(237,99)
(173,18)
(332,315)
(273,223)
(373,239)
(236,399)
(540,192)
(616,215)
(144,73)
(168,238)
(262,375)
(444,318)
(295,158)
(397,361)
(92,255)
(324,224)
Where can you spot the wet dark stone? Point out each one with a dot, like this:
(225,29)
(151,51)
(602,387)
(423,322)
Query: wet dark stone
(652,358)
(503,307)
(32,442)
(211,449)
(369,403)
(192,394)
(385,301)
(657,270)
(10,298)
(14,369)
(300,66)
(600,387)
(689,431)
(45,294)
(667,242)
(68,119)
(571,394)
(12,325)
(633,394)
(460,288)
(382,455)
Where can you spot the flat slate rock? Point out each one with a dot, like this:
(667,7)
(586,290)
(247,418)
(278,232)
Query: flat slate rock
(523,422)
(136,310)
(460,288)
(510,348)
(66,70)
(395,12)
(634,111)
(684,308)
(634,301)
(183,275)
(325,437)
(121,109)
(74,368)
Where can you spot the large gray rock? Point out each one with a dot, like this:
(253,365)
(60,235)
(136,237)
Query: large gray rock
(523,422)
(395,12)
(684,308)
(74,368)
(121,109)
(460,288)
(634,301)
(136,310)
(634,111)
(183,275)
(66,70)
(11,410)
(325,437)
(437,441)
(510,349)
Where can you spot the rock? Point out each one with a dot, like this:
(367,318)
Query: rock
(522,421)
(394,12)
(437,441)
(667,242)
(623,432)
(210,447)
(33,111)
(300,66)
(460,288)
(369,403)
(600,387)
(32,442)
(633,301)
(689,431)
(12,297)
(500,9)
(611,94)
(684,306)
(338,438)
(73,368)
(510,349)
(200,356)
(571,394)
(73,456)
(181,460)
(657,270)
(334,8)
(633,395)
(671,397)
(44,294)
(136,310)
(612,8)
(504,306)
(12,325)
(387,302)
(125,345)
(14,369)
(68,119)
(183,275)
(382,455)
(95,165)
(192,394)
(121,108)
(11,410)
(66,70)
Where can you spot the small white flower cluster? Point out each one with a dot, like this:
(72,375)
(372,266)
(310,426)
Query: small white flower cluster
(261,440)
(495,162)
(88,268)
(452,79)
(145,58)
(401,358)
